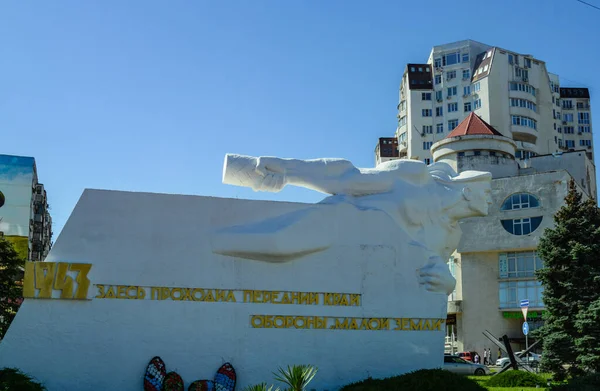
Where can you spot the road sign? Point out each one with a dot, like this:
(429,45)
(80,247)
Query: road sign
(524,307)
(525,328)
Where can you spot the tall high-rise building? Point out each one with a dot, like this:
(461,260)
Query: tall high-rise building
(510,91)
(24,216)
(480,107)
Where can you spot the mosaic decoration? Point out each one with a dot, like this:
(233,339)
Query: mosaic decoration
(173,382)
(155,375)
(224,381)
(202,385)
(225,378)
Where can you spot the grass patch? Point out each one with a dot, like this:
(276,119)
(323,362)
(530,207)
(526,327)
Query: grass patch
(483,381)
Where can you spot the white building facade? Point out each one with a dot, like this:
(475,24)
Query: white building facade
(510,91)
(496,260)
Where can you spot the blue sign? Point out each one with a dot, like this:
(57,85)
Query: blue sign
(525,328)
(525,303)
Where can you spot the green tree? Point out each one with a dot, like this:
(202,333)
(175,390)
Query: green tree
(570,275)
(11,289)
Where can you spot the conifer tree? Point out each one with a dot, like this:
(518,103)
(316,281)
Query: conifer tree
(570,278)
(11,289)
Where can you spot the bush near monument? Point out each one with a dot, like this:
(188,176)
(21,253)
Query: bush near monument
(570,278)
(12,379)
(422,380)
(11,290)
(583,383)
(516,379)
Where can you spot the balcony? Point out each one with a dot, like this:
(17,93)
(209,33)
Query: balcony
(402,146)
(524,133)
(454,306)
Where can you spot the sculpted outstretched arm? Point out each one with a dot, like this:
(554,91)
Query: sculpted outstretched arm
(329,176)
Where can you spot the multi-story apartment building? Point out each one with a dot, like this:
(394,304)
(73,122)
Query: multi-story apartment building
(510,91)
(24,216)
(479,107)
(386,149)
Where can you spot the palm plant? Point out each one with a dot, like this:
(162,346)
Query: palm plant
(296,377)
(260,387)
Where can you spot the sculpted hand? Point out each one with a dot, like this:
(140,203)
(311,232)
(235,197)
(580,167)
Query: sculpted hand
(436,277)
(272,174)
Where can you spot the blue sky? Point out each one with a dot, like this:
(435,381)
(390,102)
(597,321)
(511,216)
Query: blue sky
(150,95)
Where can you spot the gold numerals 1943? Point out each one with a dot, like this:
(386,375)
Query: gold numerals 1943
(50,276)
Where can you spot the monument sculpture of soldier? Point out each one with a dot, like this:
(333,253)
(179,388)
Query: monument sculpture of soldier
(424,201)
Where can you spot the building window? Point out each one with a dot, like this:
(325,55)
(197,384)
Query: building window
(477,87)
(402,105)
(520,201)
(523,226)
(451,58)
(439,128)
(402,121)
(426,96)
(427,161)
(585,143)
(570,143)
(427,129)
(465,57)
(451,91)
(461,154)
(512,292)
(511,59)
(583,118)
(527,62)
(477,104)
(527,104)
(437,63)
(522,155)
(466,74)
(522,73)
(569,129)
(466,90)
(427,145)
(524,121)
(568,117)
(560,143)
(514,86)
(426,112)
(438,79)
(477,153)
(438,96)
(467,107)
(402,137)
(439,111)
(453,123)
(583,106)
(450,75)
(452,107)
(584,129)
(567,104)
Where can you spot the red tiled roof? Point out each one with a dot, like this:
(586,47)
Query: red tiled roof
(473,125)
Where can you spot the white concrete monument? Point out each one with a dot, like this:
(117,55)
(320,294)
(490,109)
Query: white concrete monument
(356,285)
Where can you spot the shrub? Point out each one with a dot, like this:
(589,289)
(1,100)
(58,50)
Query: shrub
(12,379)
(296,377)
(422,380)
(583,383)
(516,379)
(260,387)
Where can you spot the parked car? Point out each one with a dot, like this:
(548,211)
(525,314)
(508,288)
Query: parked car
(469,356)
(533,359)
(457,365)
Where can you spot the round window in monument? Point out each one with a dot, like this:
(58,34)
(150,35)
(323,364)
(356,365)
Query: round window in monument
(2,199)
(523,226)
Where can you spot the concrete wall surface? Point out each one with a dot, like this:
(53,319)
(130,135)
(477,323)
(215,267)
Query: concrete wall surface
(155,240)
